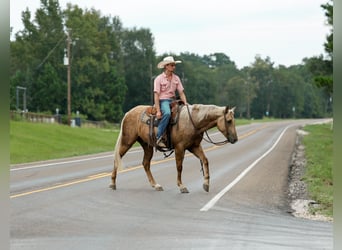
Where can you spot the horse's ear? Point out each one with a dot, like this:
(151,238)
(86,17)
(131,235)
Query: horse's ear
(228,108)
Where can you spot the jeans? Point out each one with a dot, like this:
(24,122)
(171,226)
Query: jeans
(166,114)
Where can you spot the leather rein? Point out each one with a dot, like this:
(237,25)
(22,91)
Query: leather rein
(209,140)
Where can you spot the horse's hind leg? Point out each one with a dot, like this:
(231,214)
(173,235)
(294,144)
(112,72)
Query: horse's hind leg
(120,151)
(148,153)
(198,152)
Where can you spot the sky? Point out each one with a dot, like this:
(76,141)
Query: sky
(285,31)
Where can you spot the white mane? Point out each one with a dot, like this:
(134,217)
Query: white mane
(202,111)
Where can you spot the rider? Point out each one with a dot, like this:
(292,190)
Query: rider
(165,86)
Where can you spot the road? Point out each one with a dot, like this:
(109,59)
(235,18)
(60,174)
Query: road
(66,204)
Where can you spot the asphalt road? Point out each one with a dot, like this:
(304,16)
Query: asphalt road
(66,204)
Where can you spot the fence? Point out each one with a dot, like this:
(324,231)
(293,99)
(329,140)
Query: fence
(34,117)
(42,118)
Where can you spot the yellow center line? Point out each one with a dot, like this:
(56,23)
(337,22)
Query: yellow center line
(102,175)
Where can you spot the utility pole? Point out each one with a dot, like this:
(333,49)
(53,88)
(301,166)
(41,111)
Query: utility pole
(152,77)
(68,63)
(18,88)
(151,86)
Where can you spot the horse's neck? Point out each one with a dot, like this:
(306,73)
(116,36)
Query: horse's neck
(205,116)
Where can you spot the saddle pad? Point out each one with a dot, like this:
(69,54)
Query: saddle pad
(147,118)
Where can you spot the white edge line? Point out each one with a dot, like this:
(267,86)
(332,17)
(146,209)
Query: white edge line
(216,198)
(59,163)
(68,162)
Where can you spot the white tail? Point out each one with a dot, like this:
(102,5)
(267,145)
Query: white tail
(117,156)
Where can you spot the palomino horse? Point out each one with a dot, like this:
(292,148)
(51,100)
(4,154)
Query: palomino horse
(193,121)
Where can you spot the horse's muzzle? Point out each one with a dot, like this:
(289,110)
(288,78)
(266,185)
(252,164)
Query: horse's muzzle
(232,140)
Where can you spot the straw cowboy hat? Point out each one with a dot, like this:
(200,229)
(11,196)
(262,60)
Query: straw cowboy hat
(167,60)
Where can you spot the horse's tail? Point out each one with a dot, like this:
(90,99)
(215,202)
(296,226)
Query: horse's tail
(117,156)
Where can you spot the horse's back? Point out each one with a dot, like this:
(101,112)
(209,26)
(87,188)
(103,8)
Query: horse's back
(135,112)
(132,124)
(137,109)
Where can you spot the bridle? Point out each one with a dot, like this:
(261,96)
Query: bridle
(209,140)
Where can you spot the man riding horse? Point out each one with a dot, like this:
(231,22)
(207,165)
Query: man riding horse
(192,122)
(165,86)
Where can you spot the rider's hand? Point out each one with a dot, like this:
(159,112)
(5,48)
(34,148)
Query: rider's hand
(159,115)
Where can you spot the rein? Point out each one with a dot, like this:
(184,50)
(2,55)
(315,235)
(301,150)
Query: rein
(220,143)
(209,140)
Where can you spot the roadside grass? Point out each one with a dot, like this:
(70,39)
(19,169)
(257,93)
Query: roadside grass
(31,142)
(243,121)
(318,152)
(239,122)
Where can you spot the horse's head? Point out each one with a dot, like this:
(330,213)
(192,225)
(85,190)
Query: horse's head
(226,124)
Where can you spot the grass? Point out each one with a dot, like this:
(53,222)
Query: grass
(38,141)
(318,151)
(239,122)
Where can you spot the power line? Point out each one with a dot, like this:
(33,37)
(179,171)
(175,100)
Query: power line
(50,52)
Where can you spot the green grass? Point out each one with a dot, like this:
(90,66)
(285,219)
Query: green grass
(318,151)
(37,141)
(243,121)
(239,122)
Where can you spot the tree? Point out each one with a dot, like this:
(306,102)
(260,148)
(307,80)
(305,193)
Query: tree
(261,73)
(49,90)
(248,93)
(205,76)
(328,45)
(36,54)
(287,96)
(139,60)
(320,67)
(98,84)
(235,92)
(197,79)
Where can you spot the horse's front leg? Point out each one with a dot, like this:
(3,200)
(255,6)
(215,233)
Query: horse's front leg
(198,152)
(148,153)
(179,164)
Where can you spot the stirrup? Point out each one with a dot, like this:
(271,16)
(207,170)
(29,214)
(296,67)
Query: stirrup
(160,143)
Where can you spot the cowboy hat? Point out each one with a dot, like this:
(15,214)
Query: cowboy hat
(167,60)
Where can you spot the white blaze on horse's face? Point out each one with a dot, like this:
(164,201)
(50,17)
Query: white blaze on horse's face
(226,124)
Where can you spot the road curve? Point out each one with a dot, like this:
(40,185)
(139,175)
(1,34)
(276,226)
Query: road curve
(66,204)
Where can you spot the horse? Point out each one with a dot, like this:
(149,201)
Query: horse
(186,134)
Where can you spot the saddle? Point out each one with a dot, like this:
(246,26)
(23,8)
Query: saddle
(149,117)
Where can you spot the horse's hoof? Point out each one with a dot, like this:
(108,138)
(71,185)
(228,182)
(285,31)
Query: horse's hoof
(158,188)
(206,187)
(184,190)
(112,186)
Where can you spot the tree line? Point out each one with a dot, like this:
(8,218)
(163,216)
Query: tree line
(113,67)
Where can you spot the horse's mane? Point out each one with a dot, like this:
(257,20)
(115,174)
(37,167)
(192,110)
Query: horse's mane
(202,111)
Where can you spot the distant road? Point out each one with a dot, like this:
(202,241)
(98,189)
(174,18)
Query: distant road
(66,204)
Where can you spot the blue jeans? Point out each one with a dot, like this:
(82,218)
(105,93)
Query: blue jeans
(166,114)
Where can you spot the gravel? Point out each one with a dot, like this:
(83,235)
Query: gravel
(298,195)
